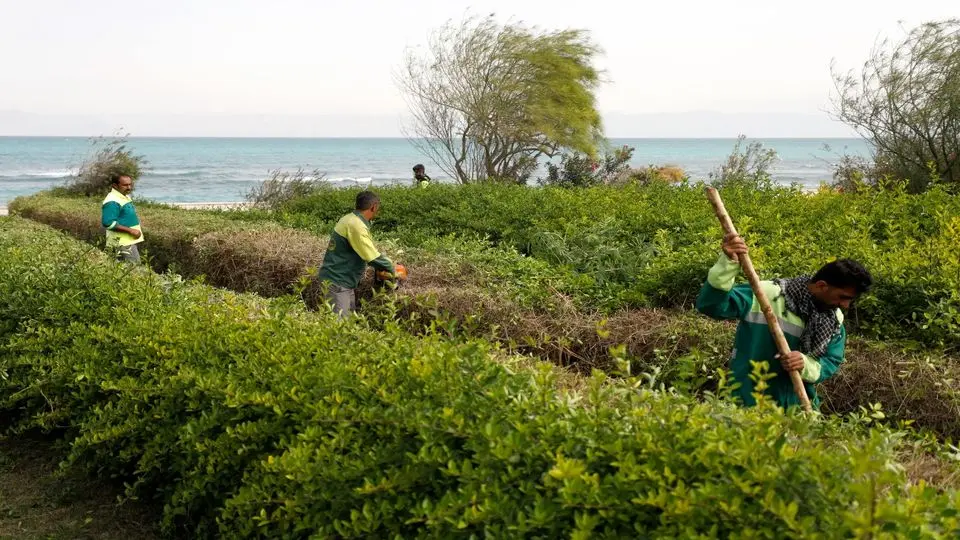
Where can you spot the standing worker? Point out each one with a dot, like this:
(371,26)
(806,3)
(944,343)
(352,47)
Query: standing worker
(350,250)
(119,217)
(810,313)
(420,177)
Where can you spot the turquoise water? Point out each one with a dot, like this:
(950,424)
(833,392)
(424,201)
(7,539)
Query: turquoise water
(224,169)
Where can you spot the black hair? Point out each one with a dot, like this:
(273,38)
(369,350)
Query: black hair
(417,166)
(115,177)
(845,273)
(366,200)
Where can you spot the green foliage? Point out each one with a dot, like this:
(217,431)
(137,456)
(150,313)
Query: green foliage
(576,170)
(488,100)
(642,246)
(111,158)
(252,418)
(282,187)
(750,166)
(906,102)
(464,286)
(855,174)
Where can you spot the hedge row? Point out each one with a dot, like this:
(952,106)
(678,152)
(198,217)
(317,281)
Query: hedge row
(506,295)
(466,287)
(650,246)
(251,418)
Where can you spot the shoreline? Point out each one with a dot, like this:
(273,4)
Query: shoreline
(214,205)
(4,211)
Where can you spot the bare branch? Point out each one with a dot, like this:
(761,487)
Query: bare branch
(906,102)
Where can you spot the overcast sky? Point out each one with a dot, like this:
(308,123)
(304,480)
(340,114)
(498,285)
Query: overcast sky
(285,67)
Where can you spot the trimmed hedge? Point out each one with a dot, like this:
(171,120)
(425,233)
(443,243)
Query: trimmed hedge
(497,293)
(262,258)
(648,246)
(251,418)
(516,299)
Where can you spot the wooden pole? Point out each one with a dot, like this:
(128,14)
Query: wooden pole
(772,323)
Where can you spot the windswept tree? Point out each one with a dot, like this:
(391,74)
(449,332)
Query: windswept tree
(906,102)
(488,100)
(96,173)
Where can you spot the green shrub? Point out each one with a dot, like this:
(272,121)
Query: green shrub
(268,258)
(252,418)
(463,286)
(521,301)
(643,246)
(576,170)
(750,166)
(94,177)
(904,101)
(282,187)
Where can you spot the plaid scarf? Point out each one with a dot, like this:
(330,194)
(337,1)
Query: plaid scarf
(821,325)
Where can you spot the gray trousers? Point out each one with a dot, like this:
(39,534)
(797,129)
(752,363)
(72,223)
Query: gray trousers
(344,300)
(128,254)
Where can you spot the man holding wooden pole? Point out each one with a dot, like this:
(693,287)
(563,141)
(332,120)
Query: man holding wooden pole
(808,308)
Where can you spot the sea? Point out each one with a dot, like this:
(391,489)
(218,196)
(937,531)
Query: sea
(225,169)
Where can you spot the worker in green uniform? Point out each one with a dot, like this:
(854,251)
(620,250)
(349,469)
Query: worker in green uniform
(420,177)
(119,218)
(350,250)
(810,312)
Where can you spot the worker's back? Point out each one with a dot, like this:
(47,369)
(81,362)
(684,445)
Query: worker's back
(342,264)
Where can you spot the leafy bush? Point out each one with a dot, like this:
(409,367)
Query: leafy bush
(465,286)
(642,246)
(855,174)
(576,170)
(653,252)
(250,418)
(258,257)
(283,187)
(904,102)
(495,291)
(750,166)
(94,176)
(643,176)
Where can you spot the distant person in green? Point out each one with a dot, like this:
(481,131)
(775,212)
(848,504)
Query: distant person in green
(810,311)
(350,250)
(420,177)
(119,218)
